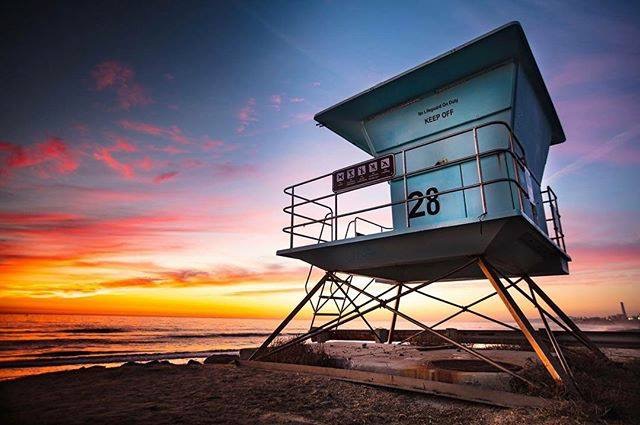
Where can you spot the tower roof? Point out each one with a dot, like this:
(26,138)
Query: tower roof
(505,43)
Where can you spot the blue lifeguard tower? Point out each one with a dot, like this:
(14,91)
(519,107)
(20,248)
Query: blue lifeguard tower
(461,142)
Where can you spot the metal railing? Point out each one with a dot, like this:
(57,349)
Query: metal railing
(329,202)
(554,211)
(355,227)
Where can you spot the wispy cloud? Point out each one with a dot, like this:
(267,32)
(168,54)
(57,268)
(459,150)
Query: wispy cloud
(165,176)
(246,115)
(585,69)
(173,132)
(261,292)
(116,76)
(105,155)
(597,153)
(230,170)
(221,275)
(275,101)
(52,155)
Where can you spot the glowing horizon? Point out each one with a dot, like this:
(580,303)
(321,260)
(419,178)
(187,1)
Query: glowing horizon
(142,174)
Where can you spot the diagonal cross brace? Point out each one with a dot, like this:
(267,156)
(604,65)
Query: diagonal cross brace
(384,304)
(258,354)
(549,362)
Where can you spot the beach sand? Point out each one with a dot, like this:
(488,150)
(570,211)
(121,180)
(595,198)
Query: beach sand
(197,394)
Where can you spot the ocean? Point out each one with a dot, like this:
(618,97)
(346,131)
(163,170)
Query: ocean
(38,343)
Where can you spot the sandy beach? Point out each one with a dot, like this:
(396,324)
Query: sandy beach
(193,394)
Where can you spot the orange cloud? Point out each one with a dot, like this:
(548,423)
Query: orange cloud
(223,275)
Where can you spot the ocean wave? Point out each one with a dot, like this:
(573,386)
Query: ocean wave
(70,353)
(219,335)
(93,330)
(63,342)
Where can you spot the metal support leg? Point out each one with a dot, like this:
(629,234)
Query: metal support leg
(551,336)
(577,333)
(291,315)
(530,334)
(394,318)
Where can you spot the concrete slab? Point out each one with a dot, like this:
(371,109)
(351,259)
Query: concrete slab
(436,365)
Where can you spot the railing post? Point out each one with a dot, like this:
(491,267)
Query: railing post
(335,215)
(516,169)
(292,215)
(406,189)
(479,167)
(559,231)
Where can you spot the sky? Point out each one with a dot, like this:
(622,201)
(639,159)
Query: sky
(144,146)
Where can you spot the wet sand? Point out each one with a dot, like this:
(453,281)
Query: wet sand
(198,394)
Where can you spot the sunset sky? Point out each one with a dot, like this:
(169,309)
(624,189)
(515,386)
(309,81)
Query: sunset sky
(144,146)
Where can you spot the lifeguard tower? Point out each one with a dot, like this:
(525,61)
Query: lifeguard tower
(461,141)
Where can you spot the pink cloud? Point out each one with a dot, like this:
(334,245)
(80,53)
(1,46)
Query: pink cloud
(585,226)
(246,115)
(81,127)
(593,68)
(115,76)
(146,164)
(172,150)
(230,170)
(111,74)
(620,149)
(296,99)
(212,144)
(51,155)
(191,163)
(124,145)
(165,176)
(600,130)
(92,195)
(104,155)
(606,256)
(174,134)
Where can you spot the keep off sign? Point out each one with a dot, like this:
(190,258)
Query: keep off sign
(364,174)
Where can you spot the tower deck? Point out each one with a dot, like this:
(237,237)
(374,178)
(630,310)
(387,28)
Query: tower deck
(414,254)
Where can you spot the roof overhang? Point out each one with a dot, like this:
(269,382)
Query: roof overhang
(505,43)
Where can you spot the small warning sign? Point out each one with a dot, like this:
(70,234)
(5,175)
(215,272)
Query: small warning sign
(364,174)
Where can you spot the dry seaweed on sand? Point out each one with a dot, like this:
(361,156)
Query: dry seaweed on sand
(609,391)
(304,354)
